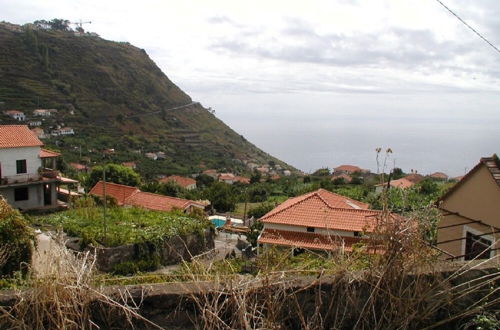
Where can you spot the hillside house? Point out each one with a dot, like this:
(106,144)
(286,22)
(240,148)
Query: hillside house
(151,155)
(63,131)
(34,123)
(44,112)
(39,132)
(470,214)
(241,179)
(211,172)
(131,165)
(402,183)
(342,176)
(17,115)
(28,176)
(186,183)
(228,178)
(346,169)
(414,177)
(287,172)
(319,220)
(132,196)
(439,176)
(79,167)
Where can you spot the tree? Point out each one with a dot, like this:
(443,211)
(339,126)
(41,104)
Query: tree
(204,180)
(114,173)
(322,172)
(59,24)
(397,173)
(256,176)
(221,197)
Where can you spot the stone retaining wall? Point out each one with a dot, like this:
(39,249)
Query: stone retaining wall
(168,252)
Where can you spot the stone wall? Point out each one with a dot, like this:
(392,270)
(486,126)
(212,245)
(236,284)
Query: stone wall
(168,252)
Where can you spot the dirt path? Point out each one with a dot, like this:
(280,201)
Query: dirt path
(42,253)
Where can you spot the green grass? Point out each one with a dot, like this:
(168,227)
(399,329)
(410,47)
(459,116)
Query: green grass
(124,225)
(240,209)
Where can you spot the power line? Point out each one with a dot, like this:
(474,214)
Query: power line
(470,27)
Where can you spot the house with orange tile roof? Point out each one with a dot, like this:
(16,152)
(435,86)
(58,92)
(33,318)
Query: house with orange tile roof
(16,114)
(470,214)
(347,178)
(228,178)
(439,176)
(131,165)
(28,176)
(347,169)
(319,220)
(402,183)
(241,179)
(186,183)
(132,196)
(79,167)
(414,177)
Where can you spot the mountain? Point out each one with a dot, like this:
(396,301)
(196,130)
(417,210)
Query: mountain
(114,97)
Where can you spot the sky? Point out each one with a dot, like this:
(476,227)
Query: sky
(322,83)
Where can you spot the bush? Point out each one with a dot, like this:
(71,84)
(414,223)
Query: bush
(16,240)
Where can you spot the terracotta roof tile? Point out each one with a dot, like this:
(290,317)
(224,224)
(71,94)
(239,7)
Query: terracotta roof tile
(414,177)
(323,209)
(126,195)
(402,183)
(44,153)
(348,168)
(179,180)
(307,240)
(118,191)
(14,136)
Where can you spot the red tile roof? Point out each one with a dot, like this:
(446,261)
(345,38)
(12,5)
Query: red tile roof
(323,209)
(414,177)
(439,175)
(347,178)
(242,179)
(126,195)
(179,180)
(78,167)
(307,240)
(44,153)
(226,176)
(14,136)
(348,168)
(402,183)
(118,191)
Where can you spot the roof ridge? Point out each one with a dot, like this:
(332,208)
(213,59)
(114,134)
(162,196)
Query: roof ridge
(117,184)
(304,197)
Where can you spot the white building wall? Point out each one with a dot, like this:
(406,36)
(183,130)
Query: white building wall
(35,197)
(321,231)
(8,157)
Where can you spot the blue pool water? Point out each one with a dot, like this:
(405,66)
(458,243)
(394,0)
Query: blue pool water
(218,222)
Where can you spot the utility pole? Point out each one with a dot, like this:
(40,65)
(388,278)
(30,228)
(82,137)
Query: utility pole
(105,201)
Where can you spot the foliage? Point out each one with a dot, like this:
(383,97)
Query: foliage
(124,225)
(114,173)
(221,197)
(16,240)
(322,172)
(204,180)
(255,230)
(259,211)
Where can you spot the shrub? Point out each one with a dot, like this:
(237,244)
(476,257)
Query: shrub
(16,240)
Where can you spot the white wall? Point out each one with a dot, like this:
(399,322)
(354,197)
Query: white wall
(304,230)
(8,157)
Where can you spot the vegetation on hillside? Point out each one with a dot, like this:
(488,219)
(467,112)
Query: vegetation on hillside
(16,240)
(114,97)
(122,225)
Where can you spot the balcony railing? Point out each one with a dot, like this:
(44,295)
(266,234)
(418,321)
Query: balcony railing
(30,177)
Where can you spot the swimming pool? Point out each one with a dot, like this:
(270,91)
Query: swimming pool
(218,222)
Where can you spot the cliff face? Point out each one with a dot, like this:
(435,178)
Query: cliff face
(115,97)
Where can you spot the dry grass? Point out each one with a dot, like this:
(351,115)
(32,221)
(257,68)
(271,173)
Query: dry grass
(61,296)
(400,289)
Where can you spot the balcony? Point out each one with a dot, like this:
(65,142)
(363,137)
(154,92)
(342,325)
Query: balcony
(44,174)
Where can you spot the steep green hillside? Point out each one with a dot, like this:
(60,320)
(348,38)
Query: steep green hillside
(114,96)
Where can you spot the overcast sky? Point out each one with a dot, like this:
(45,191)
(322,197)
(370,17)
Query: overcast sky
(322,83)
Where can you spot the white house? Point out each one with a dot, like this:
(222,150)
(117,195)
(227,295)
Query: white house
(44,112)
(63,131)
(26,182)
(17,115)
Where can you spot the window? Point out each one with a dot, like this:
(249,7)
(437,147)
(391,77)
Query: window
(357,234)
(476,247)
(21,166)
(310,229)
(21,194)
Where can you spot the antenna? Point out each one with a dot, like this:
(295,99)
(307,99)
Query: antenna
(79,25)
